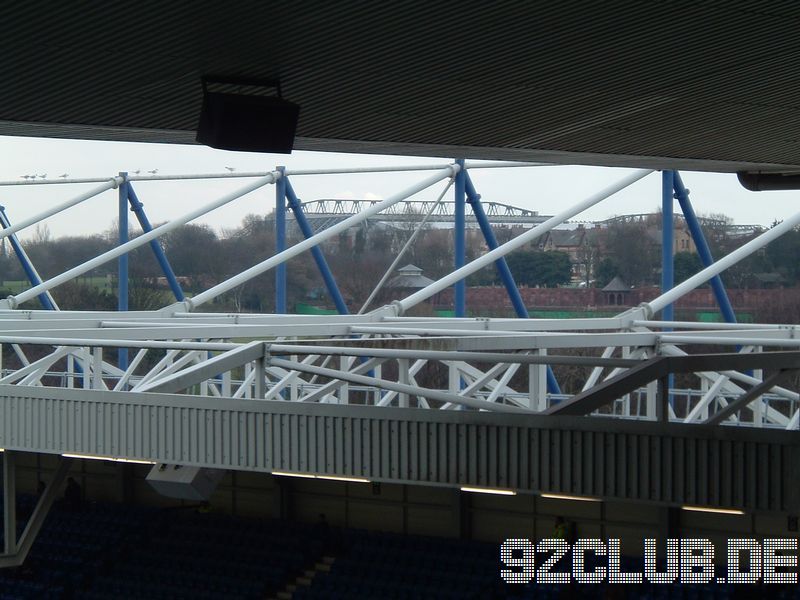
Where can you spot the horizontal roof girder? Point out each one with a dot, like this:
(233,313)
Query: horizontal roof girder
(672,464)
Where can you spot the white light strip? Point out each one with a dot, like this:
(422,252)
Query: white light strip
(708,509)
(495,491)
(301,475)
(328,477)
(337,478)
(567,497)
(110,459)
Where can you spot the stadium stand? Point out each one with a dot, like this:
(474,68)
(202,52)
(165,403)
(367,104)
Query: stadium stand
(106,550)
(385,565)
(120,551)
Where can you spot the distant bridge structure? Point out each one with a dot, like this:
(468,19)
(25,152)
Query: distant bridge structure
(733,229)
(325,213)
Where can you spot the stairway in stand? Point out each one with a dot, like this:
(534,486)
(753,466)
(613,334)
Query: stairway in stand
(323,565)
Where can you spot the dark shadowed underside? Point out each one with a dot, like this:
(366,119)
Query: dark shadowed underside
(684,84)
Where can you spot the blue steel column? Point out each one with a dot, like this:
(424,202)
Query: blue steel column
(667,242)
(280,241)
(507,278)
(703,251)
(316,252)
(459,235)
(138,209)
(22,256)
(667,257)
(122,270)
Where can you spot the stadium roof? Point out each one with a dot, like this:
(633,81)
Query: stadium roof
(683,84)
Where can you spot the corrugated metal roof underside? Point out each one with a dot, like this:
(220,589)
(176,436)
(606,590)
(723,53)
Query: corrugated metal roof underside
(685,83)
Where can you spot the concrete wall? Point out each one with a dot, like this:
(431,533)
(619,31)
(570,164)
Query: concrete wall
(484,298)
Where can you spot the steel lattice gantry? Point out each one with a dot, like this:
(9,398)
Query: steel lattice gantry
(388,396)
(326,212)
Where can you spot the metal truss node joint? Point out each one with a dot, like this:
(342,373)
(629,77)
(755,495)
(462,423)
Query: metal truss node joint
(397,308)
(646,310)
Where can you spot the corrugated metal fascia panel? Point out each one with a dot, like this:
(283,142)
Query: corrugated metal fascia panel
(647,462)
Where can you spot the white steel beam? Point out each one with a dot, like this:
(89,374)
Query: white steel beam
(14,301)
(168,367)
(111,183)
(51,492)
(718,340)
(294,172)
(597,371)
(206,369)
(771,413)
(490,257)
(442,355)
(388,397)
(745,399)
(34,367)
(307,244)
(398,387)
(9,503)
(132,366)
(680,290)
(417,230)
(700,409)
(502,383)
(330,387)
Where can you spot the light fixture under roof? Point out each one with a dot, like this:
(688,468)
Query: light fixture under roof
(711,509)
(314,476)
(485,490)
(569,497)
(134,461)
(338,478)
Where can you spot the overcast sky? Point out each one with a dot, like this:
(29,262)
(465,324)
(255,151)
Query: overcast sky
(546,189)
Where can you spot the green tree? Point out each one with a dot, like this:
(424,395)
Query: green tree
(485,277)
(607,269)
(635,252)
(81,296)
(783,254)
(537,268)
(686,265)
(192,250)
(743,274)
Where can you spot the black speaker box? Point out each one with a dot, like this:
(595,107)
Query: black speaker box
(248,123)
